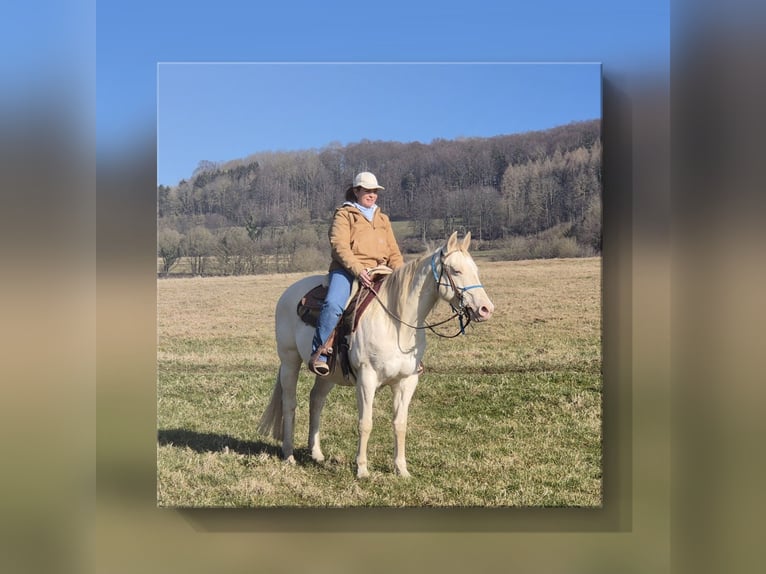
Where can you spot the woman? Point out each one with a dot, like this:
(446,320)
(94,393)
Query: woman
(360,238)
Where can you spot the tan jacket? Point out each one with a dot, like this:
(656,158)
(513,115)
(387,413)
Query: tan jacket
(358,244)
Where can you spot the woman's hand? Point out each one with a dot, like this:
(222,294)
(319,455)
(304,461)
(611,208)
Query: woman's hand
(365,279)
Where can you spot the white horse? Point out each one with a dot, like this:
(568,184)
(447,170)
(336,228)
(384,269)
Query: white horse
(385,349)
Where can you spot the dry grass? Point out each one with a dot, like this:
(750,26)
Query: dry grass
(509,415)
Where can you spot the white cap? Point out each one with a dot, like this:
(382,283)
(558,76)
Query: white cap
(366,180)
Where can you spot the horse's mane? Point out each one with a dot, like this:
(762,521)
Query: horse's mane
(395,289)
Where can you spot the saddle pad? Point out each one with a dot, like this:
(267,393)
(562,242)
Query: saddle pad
(311,304)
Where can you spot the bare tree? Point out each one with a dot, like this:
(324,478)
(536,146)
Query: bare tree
(169,248)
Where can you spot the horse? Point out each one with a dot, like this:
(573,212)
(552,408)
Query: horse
(385,349)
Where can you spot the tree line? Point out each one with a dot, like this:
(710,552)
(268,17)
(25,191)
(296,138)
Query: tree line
(270,211)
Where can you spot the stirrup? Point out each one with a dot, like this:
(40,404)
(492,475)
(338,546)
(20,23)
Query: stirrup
(319,368)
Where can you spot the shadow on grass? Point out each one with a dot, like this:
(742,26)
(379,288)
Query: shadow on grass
(213,442)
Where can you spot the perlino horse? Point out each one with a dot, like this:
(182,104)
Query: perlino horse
(385,349)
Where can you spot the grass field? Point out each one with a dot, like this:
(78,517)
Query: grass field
(508,415)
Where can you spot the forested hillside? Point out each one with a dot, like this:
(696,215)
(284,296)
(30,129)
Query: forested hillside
(535,194)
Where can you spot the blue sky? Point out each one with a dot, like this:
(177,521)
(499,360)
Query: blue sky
(133,38)
(226,111)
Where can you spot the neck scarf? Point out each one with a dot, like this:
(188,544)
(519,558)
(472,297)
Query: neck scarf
(368,212)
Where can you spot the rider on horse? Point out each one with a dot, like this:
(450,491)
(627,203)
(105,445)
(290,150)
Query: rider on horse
(361,238)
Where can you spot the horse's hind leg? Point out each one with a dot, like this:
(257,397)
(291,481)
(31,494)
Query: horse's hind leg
(403,391)
(318,395)
(289,378)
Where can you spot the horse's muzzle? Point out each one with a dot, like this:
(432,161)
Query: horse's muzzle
(483,313)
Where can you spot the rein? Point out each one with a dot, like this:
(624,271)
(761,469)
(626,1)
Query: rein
(460,312)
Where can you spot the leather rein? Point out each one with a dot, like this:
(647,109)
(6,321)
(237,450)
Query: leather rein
(460,311)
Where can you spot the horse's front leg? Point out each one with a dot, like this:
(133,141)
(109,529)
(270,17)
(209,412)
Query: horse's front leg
(403,391)
(365,395)
(316,403)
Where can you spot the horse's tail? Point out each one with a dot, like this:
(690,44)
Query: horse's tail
(271,420)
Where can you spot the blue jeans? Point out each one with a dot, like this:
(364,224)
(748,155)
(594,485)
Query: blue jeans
(338,292)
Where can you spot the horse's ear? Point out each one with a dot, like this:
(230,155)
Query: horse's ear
(451,243)
(466,242)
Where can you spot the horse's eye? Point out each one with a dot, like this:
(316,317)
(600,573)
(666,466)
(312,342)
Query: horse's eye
(456,272)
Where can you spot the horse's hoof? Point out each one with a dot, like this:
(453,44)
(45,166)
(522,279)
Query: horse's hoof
(290,460)
(319,457)
(363,473)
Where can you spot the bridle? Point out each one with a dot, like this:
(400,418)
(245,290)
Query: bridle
(459,291)
(460,311)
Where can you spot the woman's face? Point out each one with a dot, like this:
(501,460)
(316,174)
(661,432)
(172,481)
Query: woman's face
(366,197)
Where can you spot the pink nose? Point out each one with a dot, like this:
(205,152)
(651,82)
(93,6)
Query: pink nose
(485,312)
